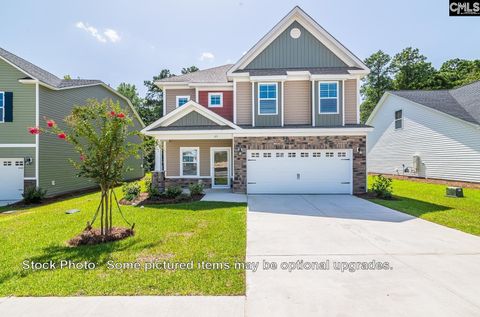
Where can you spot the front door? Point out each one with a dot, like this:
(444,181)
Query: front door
(220,167)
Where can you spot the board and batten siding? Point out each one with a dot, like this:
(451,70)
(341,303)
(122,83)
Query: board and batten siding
(328,120)
(16,132)
(287,52)
(54,165)
(173,154)
(351,100)
(172,97)
(298,102)
(244,102)
(270,120)
(448,147)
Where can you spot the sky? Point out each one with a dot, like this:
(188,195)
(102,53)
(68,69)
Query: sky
(131,41)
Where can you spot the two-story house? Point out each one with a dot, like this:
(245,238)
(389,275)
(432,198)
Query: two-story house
(283,119)
(28,94)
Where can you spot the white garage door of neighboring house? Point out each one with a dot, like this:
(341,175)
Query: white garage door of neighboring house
(11,175)
(299,171)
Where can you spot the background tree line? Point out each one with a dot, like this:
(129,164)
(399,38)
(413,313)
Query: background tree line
(150,107)
(410,70)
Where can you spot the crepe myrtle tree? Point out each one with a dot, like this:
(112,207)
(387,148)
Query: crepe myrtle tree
(99,133)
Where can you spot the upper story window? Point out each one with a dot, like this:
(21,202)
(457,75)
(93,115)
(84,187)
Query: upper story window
(2,106)
(215,99)
(328,97)
(181,100)
(267,99)
(398,119)
(189,161)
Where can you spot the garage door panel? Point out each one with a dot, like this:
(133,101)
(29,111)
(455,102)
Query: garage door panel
(299,171)
(12,175)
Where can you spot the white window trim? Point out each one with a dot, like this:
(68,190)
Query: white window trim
(258,100)
(320,98)
(395,120)
(2,93)
(177,98)
(210,94)
(182,149)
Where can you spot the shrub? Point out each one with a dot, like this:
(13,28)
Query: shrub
(382,187)
(131,190)
(196,189)
(34,195)
(173,191)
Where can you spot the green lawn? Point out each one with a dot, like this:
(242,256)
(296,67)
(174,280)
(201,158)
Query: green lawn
(428,201)
(200,231)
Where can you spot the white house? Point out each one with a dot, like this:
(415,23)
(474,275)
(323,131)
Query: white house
(431,134)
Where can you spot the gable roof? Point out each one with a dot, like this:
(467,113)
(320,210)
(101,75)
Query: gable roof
(462,103)
(35,72)
(210,75)
(169,121)
(297,14)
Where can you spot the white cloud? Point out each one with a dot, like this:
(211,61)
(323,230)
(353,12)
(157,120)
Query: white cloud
(207,56)
(107,35)
(112,35)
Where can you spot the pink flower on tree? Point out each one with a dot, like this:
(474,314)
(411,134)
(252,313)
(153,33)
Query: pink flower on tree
(50,123)
(62,135)
(34,130)
(121,115)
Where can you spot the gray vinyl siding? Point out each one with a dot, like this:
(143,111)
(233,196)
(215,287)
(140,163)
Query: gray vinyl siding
(54,153)
(269,120)
(328,120)
(172,97)
(23,106)
(24,153)
(448,147)
(287,52)
(193,119)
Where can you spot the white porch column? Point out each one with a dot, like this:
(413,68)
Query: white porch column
(159,158)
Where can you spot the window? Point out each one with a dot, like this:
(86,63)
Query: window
(2,106)
(317,154)
(292,154)
(398,119)
(329,154)
(267,99)
(303,154)
(342,154)
(328,97)
(189,161)
(255,155)
(215,99)
(181,100)
(267,154)
(279,155)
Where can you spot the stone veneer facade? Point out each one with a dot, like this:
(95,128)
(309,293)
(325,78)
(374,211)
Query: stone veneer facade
(357,143)
(161,182)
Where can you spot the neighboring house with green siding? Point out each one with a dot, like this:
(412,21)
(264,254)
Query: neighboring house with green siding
(27,95)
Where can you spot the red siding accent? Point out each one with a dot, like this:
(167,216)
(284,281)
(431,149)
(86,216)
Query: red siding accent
(226,111)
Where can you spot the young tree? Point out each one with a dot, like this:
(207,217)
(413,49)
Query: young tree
(376,83)
(99,133)
(412,71)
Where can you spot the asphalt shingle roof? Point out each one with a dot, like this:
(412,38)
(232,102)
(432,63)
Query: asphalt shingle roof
(44,76)
(462,102)
(210,75)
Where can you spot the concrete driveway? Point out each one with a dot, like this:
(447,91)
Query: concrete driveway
(433,270)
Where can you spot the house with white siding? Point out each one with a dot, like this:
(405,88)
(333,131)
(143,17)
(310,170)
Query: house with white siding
(430,134)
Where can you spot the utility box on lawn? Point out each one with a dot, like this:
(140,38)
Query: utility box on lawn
(454,192)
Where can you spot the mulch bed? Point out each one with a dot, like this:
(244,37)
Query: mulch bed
(143,199)
(432,181)
(370,195)
(93,236)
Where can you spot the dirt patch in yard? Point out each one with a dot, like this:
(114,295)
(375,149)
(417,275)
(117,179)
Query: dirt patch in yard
(94,236)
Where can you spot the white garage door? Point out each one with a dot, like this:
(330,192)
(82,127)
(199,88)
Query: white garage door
(299,171)
(11,175)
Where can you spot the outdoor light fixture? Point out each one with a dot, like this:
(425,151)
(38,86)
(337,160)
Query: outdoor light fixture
(28,161)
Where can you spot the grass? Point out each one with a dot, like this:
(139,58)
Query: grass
(199,231)
(428,201)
